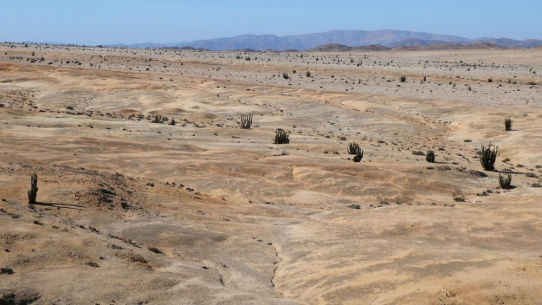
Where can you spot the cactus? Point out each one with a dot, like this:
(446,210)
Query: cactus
(508,124)
(505,181)
(358,156)
(430,156)
(157,119)
(246,121)
(33,192)
(353,148)
(281,137)
(488,157)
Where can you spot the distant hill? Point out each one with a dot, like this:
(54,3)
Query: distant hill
(385,38)
(452,46)
(511,43)
(434,45)
(410,42)
(334,47)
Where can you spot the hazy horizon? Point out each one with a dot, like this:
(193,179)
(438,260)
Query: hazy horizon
(168,21)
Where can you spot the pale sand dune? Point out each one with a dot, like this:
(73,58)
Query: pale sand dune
(259,223)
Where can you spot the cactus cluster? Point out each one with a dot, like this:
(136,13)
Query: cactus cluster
(505,181)
(246,121)
(488,156)
(157,119)
(352,148)
(33,192)
(358,156)
(281,137)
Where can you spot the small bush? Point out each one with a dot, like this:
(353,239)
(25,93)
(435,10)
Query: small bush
(285,75)
(531,175)
(354,206)
(403,79)
(488,157)
(246,121)
(505,181)
(308,74)
(281,137)
(508,124)
(430,156)
(6,271)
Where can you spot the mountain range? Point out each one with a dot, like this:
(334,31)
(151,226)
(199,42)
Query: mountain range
(386,38)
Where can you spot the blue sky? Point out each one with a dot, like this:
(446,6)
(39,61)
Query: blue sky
(131,21)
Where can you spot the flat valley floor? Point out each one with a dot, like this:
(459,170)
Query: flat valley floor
(204,212)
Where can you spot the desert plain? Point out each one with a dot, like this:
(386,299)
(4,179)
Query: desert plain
(132,211)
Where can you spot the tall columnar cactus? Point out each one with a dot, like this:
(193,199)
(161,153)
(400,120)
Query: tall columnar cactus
(508,124)
(353,148)
(430,156)
(488,157)
(246,121)
(33,192)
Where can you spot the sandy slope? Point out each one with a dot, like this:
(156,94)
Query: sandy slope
(232,218)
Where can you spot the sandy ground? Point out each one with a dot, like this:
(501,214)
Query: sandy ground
(204,212)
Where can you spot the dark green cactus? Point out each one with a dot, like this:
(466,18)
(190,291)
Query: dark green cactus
(246,121)
(33,192)
(508,124)
(281,137)
(353,148)
(505,181)
(157,119)
(358,156)
(430,156)
(488,157)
